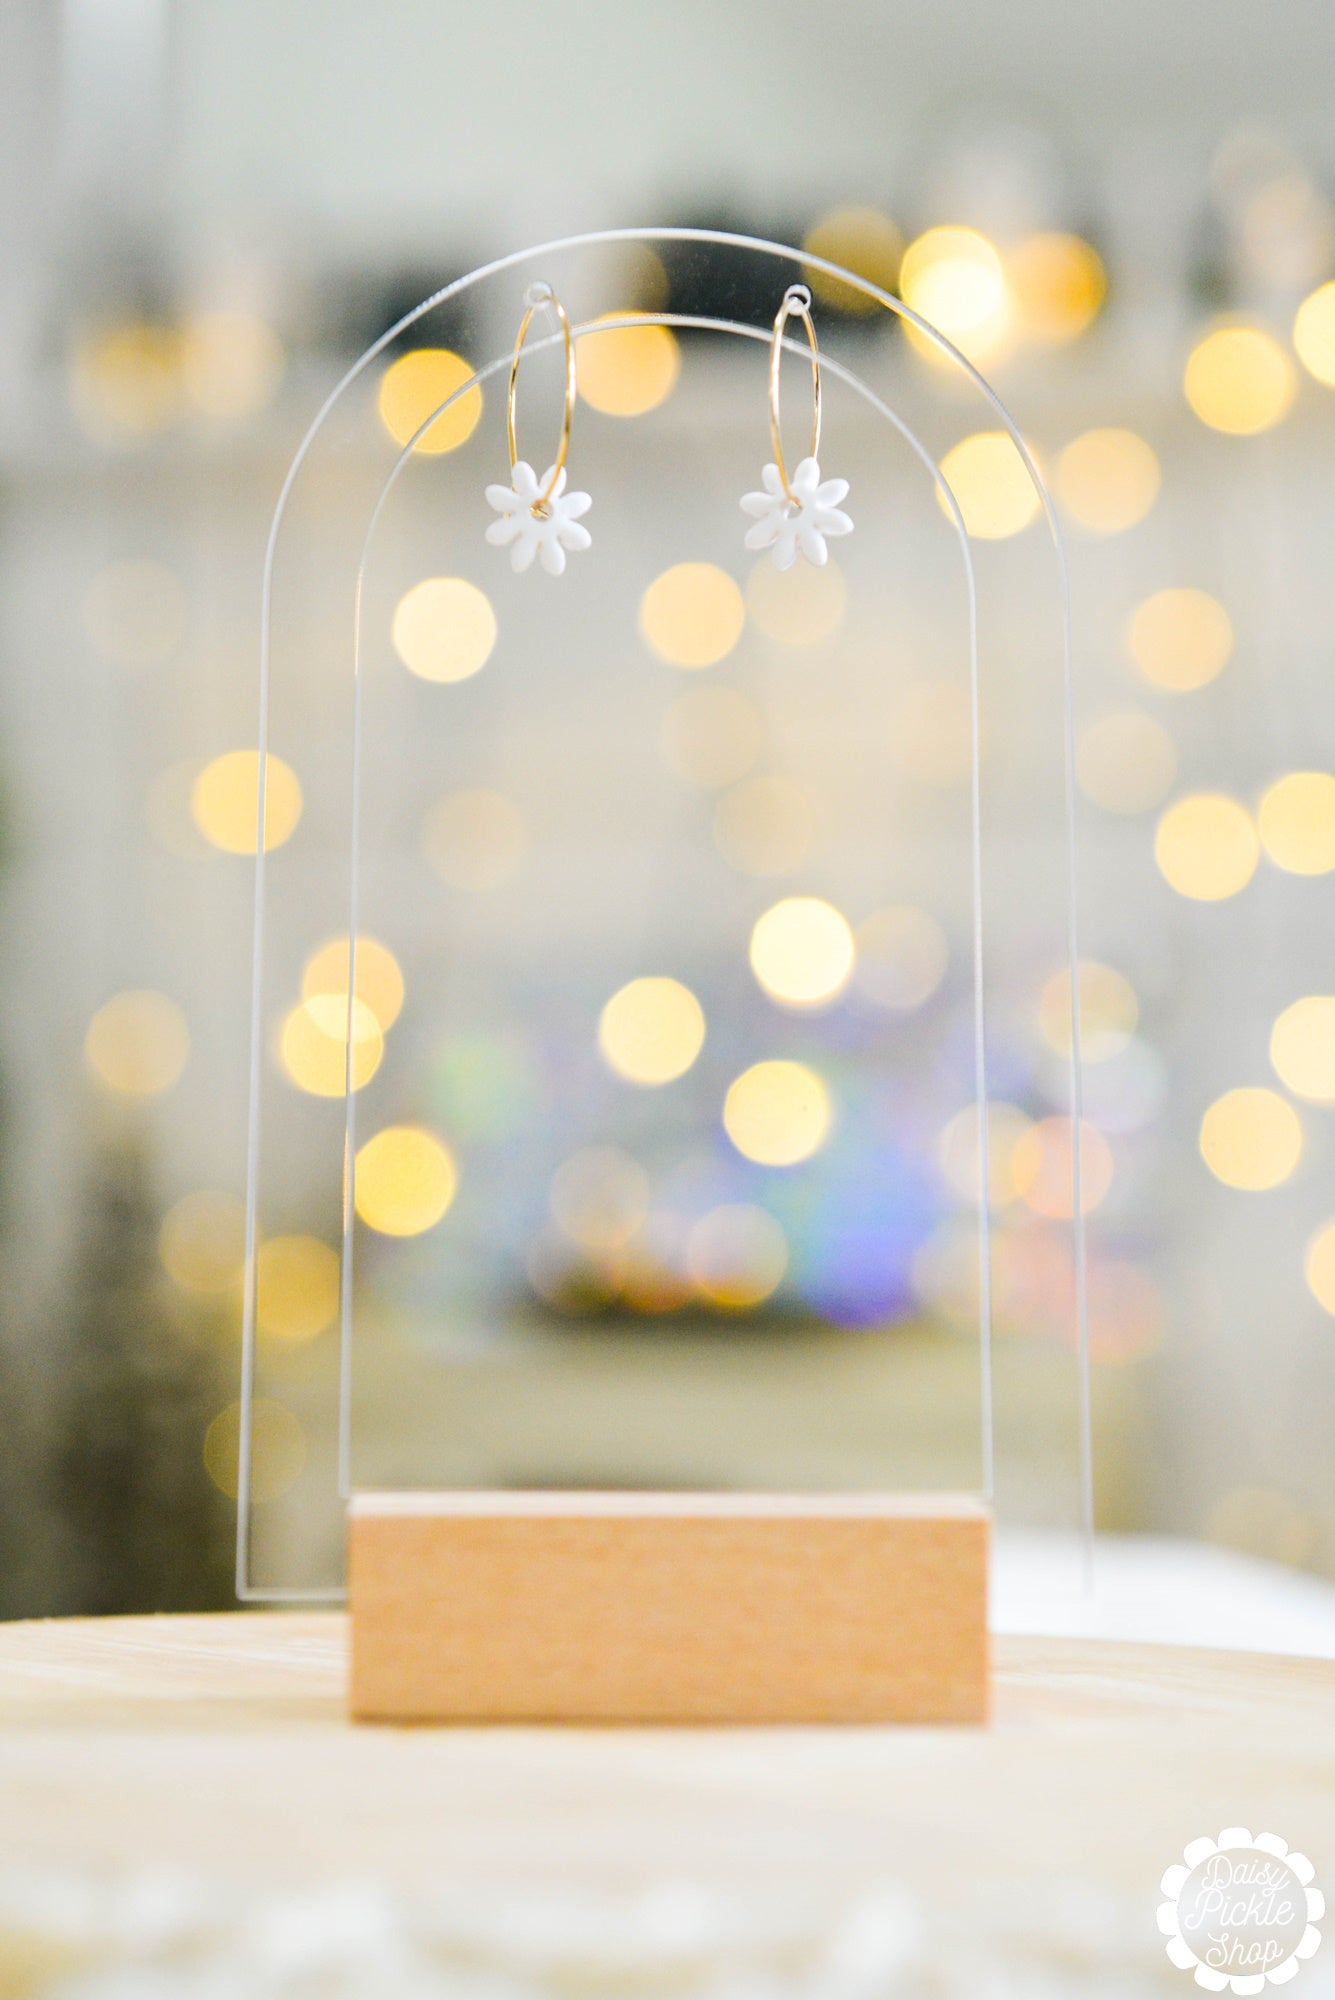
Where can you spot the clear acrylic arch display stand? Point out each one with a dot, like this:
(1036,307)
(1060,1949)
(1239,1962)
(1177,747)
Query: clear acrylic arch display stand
(657,1605)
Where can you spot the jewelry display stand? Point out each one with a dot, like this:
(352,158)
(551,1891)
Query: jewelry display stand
(655,1606)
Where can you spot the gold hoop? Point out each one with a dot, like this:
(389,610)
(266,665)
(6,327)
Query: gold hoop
(797,299)
(538,297)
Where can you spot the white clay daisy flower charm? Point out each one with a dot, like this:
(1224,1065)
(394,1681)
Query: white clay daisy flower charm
(798,518)
(537,516)
(531,526)
(795,516)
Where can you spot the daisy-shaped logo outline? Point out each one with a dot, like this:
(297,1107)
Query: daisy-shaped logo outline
(530,526)
(1170,1922)
(799,520)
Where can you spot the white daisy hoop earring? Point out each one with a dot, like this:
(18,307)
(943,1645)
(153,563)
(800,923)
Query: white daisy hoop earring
(537,516)
(795,516)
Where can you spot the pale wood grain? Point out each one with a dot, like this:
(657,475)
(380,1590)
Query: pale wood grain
(634,1607)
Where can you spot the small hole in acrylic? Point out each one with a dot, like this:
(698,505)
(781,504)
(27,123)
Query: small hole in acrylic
(539,294)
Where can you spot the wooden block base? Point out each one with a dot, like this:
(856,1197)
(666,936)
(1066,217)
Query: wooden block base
(662,1607)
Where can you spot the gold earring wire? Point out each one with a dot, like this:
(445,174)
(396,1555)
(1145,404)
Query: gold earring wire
(543,296)
(797,299)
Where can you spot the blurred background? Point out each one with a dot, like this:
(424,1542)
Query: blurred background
(667,1167)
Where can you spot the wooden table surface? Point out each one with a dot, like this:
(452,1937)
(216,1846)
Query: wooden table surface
(219,1745)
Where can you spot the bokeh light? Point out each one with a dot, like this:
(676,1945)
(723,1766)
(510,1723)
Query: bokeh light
(866,242)
(802,951)
(138,1043)
(277,1450)
(953,278)
(653,1276)
(902,955)
(693,614)
(202,1242)
(991,483)
(1108,480)
(127,382)
(1043,1168)
(414,385)
(958,1153)
(651,1030)
(1239,380)
(737,1255)
(444,629)
(777,1113)
(1251,1139)
(764,826)
(379,977)
(712,736)
(231,363)
(1314,333)
(801,606)
(134,613)
(1319,1267)
(1302,1047)
(1207,846)
(1109,1012)
(600,1198)
(474,839)
(628,369)
(406,1179)
(1057,284)
(296,1288)
(313,1045)
(1296,817)
(225,801)
(1180,639)
(1126,762)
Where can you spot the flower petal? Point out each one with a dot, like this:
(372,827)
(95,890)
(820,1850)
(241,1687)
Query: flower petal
(806,479)
(812,542)
(763,535)
(574,535)
(558,482)
(501,533)
(756,503)
(575,504)
(785,554)
(831,491)
(831,521)
(524,481)
(504,499)
(552,555)
(772,481)
(522,554)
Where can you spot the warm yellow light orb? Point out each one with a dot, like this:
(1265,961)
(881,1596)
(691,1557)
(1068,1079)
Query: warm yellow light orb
(313,1046)
(1109,1012)
(416,384)
(712,736)
(1251,1139)
(764,826)
(138,1043)
(224,801)
(802,951)
(1126,762)
(628,369)
(444,629)
(777,1113)
(231,363)
(866,242)
(296,1288)
(801,606)
(1043,1168)
(991,484)
(960,1153)
(1207,846)
(1057,283)
(405,1182)
(277,1444)
(127,382)
(1314,334)
(379,977)
(692,615)
(1297,821)
(953,278)
(902,954)
(1108,480)
(1319,1268)
(1239,380)
(1302,1047)
(474,839)
(1180,639)
(202,1242)
(737,1255)
(651,1030)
